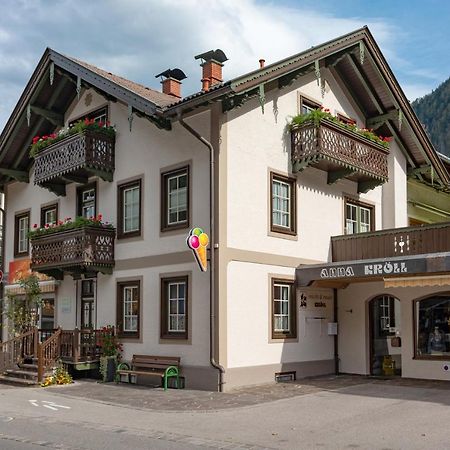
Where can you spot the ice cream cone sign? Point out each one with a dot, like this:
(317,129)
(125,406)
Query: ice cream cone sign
(198,241)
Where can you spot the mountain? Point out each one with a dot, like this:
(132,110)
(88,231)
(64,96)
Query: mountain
(433,111)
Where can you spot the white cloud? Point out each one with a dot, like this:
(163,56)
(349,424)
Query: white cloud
(140,38)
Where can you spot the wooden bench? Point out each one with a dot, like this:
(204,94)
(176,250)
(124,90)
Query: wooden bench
(163,366)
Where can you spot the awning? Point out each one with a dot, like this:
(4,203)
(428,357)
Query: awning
(45,286)
(437,280)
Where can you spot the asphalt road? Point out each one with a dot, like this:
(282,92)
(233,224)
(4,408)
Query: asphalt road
(365,416)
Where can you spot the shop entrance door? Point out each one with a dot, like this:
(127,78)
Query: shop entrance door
(385,336)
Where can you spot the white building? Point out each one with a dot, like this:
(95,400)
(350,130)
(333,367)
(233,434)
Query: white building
(279,196)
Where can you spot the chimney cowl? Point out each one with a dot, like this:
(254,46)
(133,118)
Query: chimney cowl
(171,81)
(212,63)
(262,63)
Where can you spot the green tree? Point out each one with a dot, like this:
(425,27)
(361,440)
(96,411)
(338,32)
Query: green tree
(22,310)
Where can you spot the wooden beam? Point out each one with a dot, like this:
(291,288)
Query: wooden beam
(365,186)
(18,175)
(377,121)
(75,179)
(421,169)
(57,188)
(33,132)
(52,116)
(366,84)
(336,175)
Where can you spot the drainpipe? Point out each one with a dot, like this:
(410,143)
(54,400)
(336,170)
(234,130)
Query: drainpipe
(335,319)
(2,267)
(212,211)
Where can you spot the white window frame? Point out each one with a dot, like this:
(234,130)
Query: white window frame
(129,302)
(177,209)
(177,314)
(23,224)
(278,211)
(283,301)
(50,211)
(135,204)
(355,223)
(88,204)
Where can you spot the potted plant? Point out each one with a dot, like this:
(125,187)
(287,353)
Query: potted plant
(39,143)
(323,114)
(110,350)
(68,224)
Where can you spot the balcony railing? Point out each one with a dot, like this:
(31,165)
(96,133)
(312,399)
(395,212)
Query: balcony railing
(87,249)
(394,242)
(341,152)
(75,159)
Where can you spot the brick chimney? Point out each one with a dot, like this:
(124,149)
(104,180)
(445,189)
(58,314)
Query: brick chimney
(212,63)
(171,81)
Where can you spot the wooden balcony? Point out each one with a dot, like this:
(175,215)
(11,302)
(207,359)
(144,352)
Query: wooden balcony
(75,159)
(88,249)
(340,152)
(419,240)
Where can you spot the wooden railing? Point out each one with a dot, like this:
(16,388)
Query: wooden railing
(86,153)
(419,240)
(49,352)
(15,350)
(88,248)
(332,144)
(80,345)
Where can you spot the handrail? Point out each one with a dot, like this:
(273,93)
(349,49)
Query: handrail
(49,352)
(16,349)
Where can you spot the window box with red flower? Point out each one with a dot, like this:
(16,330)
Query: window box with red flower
(73,155)
(73,247)
(321,140)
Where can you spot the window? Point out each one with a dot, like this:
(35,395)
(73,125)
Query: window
(284,319)
(99,115)
(174,308)
(283,207)
(358,217)
(87,201)
(345,119)
(49,215)
(129,209)
(307,105)
(175,201)
(22,227)
(432,317)
(386,314)
(128,309)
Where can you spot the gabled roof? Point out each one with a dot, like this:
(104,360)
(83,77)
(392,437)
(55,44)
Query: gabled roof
(355,59)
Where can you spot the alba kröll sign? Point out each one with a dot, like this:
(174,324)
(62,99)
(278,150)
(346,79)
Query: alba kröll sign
(198,241)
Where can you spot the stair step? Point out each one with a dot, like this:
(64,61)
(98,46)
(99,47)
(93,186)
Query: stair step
(17,381)
(21,373)
(32,367)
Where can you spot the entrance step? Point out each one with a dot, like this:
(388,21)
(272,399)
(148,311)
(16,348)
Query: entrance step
(6,379)
(18,373)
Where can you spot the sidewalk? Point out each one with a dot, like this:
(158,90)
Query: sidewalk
(156,399)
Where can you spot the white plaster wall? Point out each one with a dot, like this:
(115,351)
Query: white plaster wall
(143,151)
(249,321)
(259,142)
(353,334)
(394,192)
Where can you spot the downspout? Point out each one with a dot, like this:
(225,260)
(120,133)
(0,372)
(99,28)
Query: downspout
(212,211)
(336,341)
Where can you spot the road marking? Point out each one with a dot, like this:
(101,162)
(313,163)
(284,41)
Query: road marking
(49,405)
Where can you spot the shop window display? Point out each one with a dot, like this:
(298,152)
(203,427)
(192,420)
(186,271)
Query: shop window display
(433,326)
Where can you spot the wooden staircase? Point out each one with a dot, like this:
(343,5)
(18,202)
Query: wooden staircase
(25,361)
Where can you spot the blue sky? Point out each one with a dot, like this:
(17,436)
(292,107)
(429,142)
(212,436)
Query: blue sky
(140,38)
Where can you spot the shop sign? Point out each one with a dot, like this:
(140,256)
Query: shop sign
(197,240)
(384,268)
